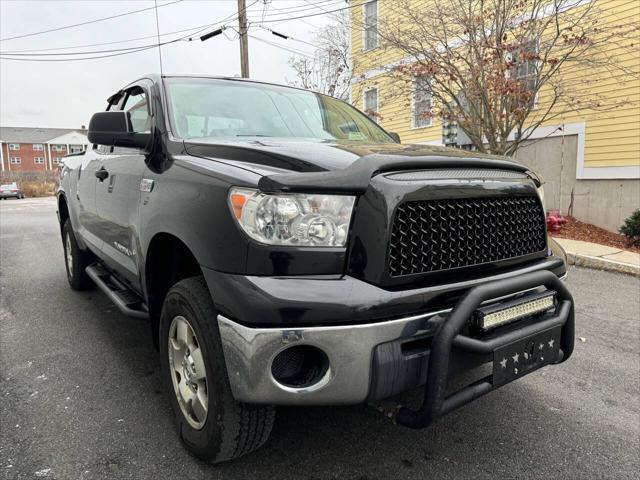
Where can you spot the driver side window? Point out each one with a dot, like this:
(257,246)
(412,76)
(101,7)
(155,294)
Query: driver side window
(135,102)
(138,107)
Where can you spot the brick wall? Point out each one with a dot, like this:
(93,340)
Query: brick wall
(30,158)
(56,155)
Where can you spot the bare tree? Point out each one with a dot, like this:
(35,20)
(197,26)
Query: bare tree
(501,68)
(305,68)
(330,70)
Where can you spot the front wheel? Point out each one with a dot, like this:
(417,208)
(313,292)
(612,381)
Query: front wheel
(211,423)
(75,260)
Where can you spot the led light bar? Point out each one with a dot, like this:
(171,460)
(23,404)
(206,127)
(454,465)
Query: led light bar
(498,314)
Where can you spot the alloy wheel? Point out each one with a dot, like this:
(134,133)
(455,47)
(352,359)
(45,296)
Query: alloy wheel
(188,372)
(68,254)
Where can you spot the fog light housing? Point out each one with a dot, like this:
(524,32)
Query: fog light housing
(492,316)
(299,366)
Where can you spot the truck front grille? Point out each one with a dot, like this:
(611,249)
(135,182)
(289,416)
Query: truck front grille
(434,235)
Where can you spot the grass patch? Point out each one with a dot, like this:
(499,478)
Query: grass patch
(33,184)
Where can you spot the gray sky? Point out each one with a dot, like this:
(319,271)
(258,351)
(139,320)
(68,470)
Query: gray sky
(66,94)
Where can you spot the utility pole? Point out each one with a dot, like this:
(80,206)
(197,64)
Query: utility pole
(244,43)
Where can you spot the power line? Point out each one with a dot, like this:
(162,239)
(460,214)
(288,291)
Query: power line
(158,32)
(86,23)
(193,31)
(302,20)
(293,9)
(209,25)
(286,37)
(282,47)
(90,52)
(19,55)
(74,59)
(229,18)
(314,14)
(297,9)
(310,3)
(119,52)
(93,52)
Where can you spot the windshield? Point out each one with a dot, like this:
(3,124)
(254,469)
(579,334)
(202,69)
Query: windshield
(205,108)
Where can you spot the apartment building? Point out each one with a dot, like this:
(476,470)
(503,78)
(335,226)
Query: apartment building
(33,149)
(589,159)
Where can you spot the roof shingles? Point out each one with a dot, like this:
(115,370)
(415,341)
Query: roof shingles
(33,135)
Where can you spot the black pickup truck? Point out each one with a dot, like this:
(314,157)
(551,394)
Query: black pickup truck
(287,250)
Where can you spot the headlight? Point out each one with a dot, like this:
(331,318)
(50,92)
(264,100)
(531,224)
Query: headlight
(301,219)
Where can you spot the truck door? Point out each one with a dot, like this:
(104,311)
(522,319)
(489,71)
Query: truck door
(118,192)
(85,196)
(85,188)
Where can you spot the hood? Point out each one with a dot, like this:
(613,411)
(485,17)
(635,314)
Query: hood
(267,156)
(322,166)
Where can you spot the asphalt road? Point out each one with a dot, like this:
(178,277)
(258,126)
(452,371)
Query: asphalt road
(81,397)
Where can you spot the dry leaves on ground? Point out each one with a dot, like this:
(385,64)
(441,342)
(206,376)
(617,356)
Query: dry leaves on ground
(577,230)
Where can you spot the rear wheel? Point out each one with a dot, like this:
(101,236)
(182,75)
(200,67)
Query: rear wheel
(75,260)
(211,423)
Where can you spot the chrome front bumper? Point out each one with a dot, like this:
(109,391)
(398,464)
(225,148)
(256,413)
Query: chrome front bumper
(249,353)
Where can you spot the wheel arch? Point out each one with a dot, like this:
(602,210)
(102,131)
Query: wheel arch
(63,210)
(168,260)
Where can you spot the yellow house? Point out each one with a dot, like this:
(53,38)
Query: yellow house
(589,159)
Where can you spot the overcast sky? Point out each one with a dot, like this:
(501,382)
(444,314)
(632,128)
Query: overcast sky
(66,94)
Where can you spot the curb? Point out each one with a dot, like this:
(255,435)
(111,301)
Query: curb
(599,263)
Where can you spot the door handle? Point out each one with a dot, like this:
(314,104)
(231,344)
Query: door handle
(102,174)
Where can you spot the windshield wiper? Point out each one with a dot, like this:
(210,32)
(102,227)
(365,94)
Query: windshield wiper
(253,135)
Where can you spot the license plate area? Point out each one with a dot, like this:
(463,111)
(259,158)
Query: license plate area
(517,359)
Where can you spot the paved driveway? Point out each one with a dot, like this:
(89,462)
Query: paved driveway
(80,394)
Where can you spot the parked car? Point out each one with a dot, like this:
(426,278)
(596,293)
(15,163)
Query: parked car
(10,190)
(287,250)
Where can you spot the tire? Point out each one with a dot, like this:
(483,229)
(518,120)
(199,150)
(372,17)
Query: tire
(75,260)
(228,429)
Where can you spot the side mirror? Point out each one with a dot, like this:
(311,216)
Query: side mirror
(395,136)
(115,129)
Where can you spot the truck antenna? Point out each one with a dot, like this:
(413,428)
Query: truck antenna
(158,32)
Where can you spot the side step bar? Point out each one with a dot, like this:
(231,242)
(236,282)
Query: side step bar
(127,301)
